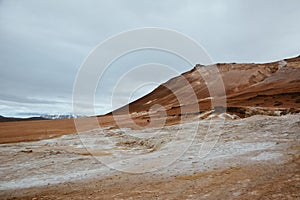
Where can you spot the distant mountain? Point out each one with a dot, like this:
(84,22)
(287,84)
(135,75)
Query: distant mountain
(58,116)
(42,117)
(14,119)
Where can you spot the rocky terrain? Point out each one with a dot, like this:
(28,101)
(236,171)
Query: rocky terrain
(252,158)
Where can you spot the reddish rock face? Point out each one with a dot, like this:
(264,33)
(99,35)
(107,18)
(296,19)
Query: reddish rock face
(269,86)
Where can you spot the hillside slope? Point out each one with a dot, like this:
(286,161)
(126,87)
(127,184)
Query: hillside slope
(270,86)
(269,89)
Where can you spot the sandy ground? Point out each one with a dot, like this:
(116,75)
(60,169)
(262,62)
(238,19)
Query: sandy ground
(252,158)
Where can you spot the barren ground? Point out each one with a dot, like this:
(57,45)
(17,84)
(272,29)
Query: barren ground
(254,158)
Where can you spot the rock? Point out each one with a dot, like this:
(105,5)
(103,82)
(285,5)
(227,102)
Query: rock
(27,151)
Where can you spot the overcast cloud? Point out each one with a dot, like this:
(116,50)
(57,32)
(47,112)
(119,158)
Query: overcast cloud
(43,43)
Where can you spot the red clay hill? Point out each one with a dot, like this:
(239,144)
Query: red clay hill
(268,88)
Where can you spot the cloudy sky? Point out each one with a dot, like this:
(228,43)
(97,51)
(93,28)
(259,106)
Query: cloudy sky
(43,43)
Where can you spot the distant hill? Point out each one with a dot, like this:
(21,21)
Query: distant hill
(64,116)
(42,117)
(14,119)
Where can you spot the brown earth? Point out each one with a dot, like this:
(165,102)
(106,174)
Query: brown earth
(256,182)
(254,158)
(270,88)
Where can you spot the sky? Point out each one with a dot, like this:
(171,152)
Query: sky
(44,43)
